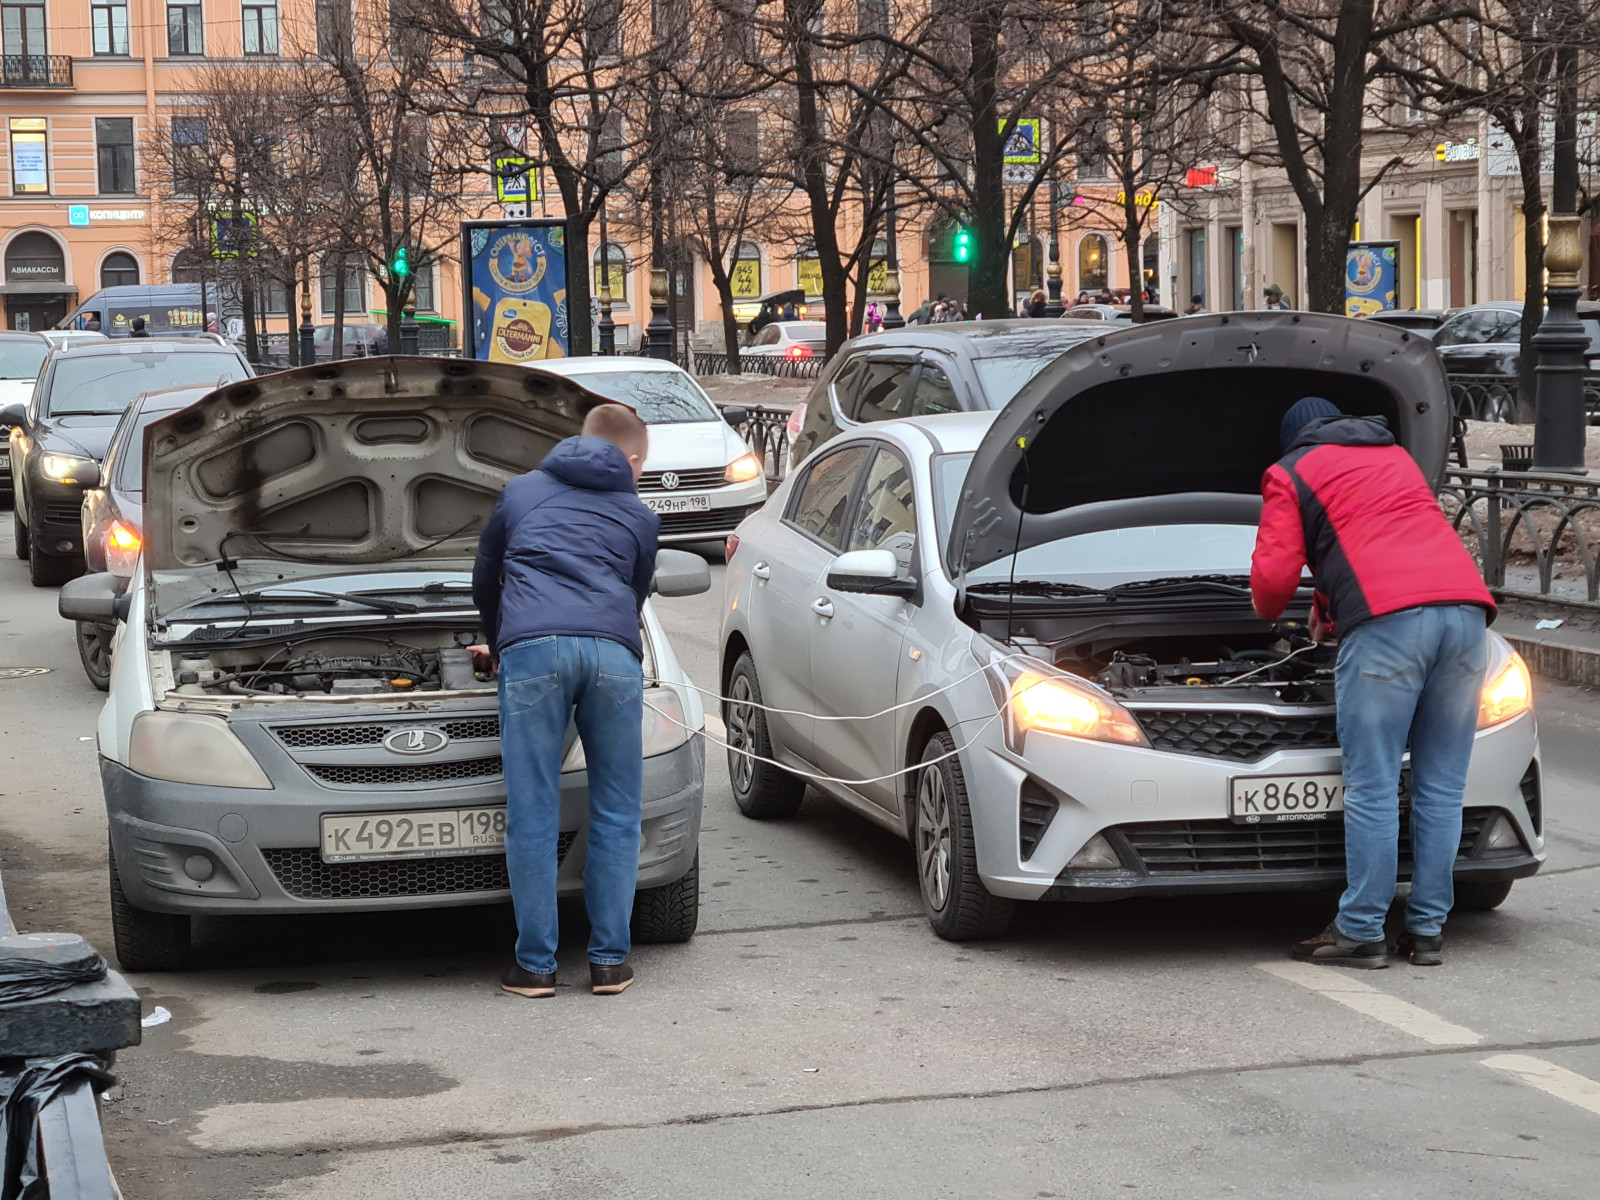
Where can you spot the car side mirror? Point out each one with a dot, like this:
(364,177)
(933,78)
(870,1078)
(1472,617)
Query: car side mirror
(86,476)
(735,415)
(14,414)
(95,598)
(679,573)
(870,573)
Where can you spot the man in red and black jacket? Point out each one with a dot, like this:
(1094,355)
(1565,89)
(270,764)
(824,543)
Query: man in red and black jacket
(1404,598)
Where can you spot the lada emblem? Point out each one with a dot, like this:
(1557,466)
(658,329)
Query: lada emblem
(416,741)
(669,480)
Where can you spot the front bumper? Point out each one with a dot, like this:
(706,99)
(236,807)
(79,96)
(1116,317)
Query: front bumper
(263,855)
(55,516)
(730,505)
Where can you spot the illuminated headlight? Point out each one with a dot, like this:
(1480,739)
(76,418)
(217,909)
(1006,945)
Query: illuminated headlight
(663,728)
(1507,688)
(63,467)
(191,748)
(1060,704)
(743,469)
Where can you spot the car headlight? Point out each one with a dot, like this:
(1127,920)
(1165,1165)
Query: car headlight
(1507,687)
(63,467)
(191,748)
(1060,704)
(743,469)
(663,727)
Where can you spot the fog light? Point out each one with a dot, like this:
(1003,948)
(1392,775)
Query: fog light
(199,868)
(1503,835)
(1096,854)
(64,545)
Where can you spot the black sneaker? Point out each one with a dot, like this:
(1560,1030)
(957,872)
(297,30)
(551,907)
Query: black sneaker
(525,983)
(607,980)
(1422,950)
(1332,947)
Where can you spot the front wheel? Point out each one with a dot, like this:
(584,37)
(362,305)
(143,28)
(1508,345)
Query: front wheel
(145,941)
(94,652)
(669,913)
(959,907)
(762,791)
(49,570)
(1481,896)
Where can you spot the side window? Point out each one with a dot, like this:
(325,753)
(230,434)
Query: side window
(1508,327)
(886,517)
(883,395)
(768,336)
(1454,331)
(934,392)
(824,496)
(845,383)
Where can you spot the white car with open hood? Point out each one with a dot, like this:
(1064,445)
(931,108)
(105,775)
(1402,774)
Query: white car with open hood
(1045,613)
(294,724)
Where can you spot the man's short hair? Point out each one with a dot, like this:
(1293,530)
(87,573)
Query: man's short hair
(620,426)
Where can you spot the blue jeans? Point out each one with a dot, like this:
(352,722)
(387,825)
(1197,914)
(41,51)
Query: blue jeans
(545,683)
(1412,675)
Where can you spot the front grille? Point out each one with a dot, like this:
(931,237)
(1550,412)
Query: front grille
(1038,808)
(364,775)
(307,737)
(718,520)
(698,477)
(1188,847)
(63,514)
(302,873)
(1240,736)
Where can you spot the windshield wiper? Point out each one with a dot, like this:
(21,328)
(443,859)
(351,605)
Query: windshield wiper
(1233,585)
(322,599)
(1039,587)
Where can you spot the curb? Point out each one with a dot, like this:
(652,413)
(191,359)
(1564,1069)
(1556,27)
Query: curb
(1553,659)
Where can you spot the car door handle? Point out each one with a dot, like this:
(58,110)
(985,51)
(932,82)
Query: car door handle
(761,571)
(823,608)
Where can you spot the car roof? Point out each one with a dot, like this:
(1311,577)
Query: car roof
(951,433)
(171,399)
(599,364)
(138,346)
(984,339)
(22,335)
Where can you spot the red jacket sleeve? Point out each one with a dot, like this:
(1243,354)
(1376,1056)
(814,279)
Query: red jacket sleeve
(1280,555)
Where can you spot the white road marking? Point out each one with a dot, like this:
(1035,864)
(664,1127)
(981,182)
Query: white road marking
(1547,1077)
(1338,984)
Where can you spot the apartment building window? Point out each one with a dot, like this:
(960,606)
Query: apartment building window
(274,298)
(741,151)
(738,28)
(261,27)
(110,18)
(113,144)
(30,156)
(872,18)
(602,21)
(422,289)
(185,30)
(333,28)
(119,270)
(24,34)
(355,289)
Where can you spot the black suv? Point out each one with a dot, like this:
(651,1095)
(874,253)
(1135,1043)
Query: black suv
(59,436)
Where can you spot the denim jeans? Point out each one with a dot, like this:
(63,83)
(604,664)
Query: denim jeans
(597,683)
(1416,676)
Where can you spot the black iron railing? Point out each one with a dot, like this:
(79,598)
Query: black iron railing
(783,367)
(767,431)
(36,71)
(1494,397)
(1535,536)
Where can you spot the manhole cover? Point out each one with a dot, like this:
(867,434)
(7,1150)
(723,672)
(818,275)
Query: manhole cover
(22,672)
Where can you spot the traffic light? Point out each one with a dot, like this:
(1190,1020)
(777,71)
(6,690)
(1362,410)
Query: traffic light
(399,265)
(963,245)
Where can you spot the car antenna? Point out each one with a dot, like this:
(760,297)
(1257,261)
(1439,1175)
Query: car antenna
(1016,547)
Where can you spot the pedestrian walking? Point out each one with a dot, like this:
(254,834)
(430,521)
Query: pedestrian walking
(138,329)
(1037,303)
(874,316)
(564,567)
(922,315)
(1403,596)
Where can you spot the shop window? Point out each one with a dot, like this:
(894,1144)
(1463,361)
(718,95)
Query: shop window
(30,156)
(618,257)
(422,289)
(1092,263)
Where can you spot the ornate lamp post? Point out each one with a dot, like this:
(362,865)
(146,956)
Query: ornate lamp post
(1053,306)
(1559,419)
(408,325)
(308,331)
(659,331)
(891,283)
(608,327)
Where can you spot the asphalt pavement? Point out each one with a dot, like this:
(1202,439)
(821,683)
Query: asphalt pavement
(816,1039)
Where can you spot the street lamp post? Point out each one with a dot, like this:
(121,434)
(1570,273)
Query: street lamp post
(608,327)
(659,331)
(308,331)
(1559,419)
(408,325)
(1053,306)
(892,319)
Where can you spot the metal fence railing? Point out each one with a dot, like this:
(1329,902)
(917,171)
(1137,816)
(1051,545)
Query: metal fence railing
(767,431)
(707,363)
(1494,397)
(1535,535)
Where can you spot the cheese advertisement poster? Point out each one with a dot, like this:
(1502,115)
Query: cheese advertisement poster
(517,289)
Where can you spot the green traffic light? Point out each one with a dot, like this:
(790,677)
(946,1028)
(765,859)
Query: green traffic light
(963,246)
(400,267)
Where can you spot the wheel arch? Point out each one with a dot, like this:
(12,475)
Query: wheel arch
(928,722)
(732,648)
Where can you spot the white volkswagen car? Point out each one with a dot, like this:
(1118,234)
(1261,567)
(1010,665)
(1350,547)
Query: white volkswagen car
(1045,616)
(701,477)
(294,724)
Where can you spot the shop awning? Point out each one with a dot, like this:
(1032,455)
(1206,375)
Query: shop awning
(37,287)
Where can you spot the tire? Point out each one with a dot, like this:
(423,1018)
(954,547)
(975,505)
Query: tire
(145,941)
(94,652)
(49,570)
(1481,897)
(669,913)
(959,907)
(19,531)
(762,791)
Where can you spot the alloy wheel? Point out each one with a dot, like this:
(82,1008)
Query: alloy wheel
(741,715)
(933,836)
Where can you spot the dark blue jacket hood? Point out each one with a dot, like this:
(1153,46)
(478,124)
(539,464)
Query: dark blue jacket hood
(589,462)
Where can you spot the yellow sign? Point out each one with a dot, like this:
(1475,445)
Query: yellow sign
(877,275)
(521,332)
(619,279)
(808,276)
(1140,199)
(745,279)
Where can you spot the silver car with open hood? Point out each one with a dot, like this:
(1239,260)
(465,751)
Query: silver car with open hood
(294,724)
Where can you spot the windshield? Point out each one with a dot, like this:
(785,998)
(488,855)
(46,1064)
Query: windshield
(107,383)
(20,358)
(1002,378)
(1108,556)
(661,397)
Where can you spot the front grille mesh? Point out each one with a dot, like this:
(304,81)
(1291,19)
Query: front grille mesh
(302,873)
(1240,736)
(1188,847)
(699,477)
(63,514)
(341,775)
(308,737)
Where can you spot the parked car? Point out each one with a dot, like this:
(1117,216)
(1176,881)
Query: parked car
(59,435)
(1117,312)
(789,339)
(304,731)
(1418,320)
(360,338)
(1083,704)
(1486,340)
(113,516)
(70,337)
(971,366)
(21,356)
(701,477)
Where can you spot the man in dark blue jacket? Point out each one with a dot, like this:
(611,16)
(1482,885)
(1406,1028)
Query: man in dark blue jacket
(564,566)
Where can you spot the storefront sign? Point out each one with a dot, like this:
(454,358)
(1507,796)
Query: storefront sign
(1200,177)
(1140,199)
(115,214)
(516,285)
(28,162)
(1448,152)
(78,214)
(808,276)
(745,279)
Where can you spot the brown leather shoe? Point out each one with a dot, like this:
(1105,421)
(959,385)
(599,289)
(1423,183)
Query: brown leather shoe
(525,983)
(608,981)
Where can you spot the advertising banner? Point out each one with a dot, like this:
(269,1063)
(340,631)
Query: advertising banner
(516,290)
(1369,277)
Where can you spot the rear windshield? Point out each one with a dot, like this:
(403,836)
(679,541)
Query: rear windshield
(107,383)
(659,397)
(806,333)
(20,358)
(1002,378)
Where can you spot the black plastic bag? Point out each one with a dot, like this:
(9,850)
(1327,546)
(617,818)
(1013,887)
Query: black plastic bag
(40,964)
(25,1088)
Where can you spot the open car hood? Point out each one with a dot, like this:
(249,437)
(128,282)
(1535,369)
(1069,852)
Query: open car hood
(367,462)
(1174,422)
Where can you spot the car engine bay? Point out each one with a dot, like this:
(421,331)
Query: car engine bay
(422,660)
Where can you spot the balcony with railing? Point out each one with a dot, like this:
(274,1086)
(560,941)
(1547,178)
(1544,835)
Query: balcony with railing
(35,71)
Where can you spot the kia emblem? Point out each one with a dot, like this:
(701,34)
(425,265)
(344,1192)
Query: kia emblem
(669,480)
(420,740)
